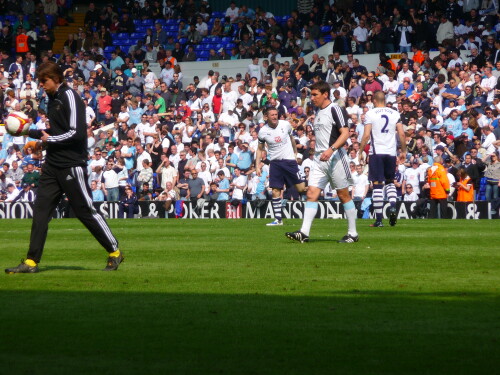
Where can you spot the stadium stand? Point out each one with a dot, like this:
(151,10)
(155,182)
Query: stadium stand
(126,63)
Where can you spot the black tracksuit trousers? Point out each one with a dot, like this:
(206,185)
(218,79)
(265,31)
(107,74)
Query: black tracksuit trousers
(74,183)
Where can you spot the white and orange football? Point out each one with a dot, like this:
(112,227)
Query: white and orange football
(17,124)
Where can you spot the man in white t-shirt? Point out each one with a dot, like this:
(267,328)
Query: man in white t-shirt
(227,120)
(410,195)
(150,130)
(239,185)
(201,26)
(254,70)
(232,12)
(412,177)
(488,140)
(110,183)
(141,127)
(229,97)
(98,160)
(141,156)
(361,184)
(360,35)
(488,85)
(167,172)
(405,73)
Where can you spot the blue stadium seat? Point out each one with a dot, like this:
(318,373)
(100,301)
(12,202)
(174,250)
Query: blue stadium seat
(226,39)
(50,20)
(109,49)
(122,35)
(201,59)
(136,35)
(149,23)
(326,29)
(137,22)
(182,40)
(141,30)
(203,54)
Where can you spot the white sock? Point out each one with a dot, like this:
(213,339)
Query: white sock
(351,214)
(309,214)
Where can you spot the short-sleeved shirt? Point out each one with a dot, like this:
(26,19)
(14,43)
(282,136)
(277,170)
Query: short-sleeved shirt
(327,125)
(278,141)
(195,186)
(160,101)
(383,135)
(223,185)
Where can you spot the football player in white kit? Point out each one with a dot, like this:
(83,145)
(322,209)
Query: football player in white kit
(331,130)
(381,125)
(282,151)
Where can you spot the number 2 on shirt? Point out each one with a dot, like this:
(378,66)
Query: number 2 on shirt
(384,128)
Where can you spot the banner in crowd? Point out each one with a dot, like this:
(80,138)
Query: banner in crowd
(249,210)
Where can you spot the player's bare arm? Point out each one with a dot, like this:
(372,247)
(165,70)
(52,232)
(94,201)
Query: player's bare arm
(258,158)
(294,145)
(402,137)
(364,141)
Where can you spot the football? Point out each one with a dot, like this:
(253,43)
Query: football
(17,124)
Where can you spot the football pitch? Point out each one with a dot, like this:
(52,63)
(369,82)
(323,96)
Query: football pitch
(237,297)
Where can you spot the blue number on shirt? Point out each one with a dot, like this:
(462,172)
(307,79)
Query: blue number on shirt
(384,128)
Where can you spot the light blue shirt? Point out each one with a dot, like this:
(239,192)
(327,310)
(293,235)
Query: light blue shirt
(245,160)
(454,126)
(97,196)
(129,162)
(115,63)
(134,115)
(224,184)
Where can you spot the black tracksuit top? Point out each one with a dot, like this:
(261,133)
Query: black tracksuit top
(67,142)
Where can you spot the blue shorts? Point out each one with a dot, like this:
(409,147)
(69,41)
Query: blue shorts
(382,168)
(283,172)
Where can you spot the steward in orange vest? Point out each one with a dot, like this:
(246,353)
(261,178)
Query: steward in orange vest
(439,186)
(465,187)
(22,43)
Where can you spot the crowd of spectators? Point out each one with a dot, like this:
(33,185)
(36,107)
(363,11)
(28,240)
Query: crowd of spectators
(154,138)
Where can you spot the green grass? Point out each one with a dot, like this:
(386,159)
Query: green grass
(236,297)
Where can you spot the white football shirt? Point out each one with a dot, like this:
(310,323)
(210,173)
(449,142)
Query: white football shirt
(278,141)
(327,125)
(383,135)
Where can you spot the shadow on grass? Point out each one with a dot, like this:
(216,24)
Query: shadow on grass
(64,268)
(350,332)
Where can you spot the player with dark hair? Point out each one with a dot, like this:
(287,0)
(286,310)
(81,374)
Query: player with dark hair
(381,126)
(331,130)
(64,171)
(282,151)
